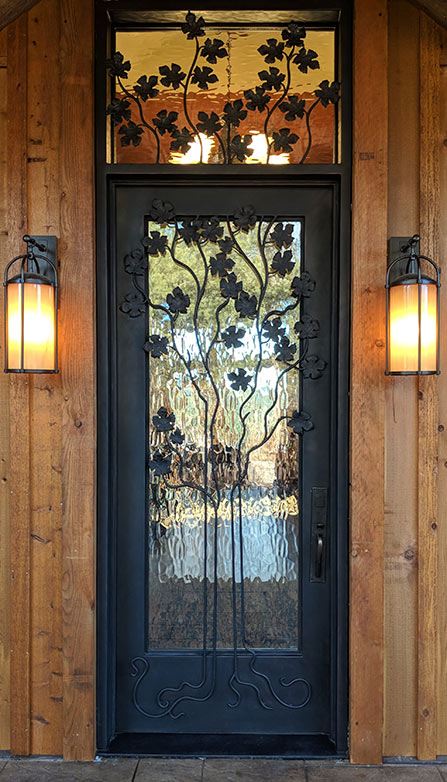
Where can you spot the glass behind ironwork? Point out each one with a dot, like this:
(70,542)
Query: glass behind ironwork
(223,522)
(199,93)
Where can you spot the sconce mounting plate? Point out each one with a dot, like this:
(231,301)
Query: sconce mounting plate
(397,246)
(50,252)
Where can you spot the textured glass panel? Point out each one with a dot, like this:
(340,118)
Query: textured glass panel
(222,395)
(171,100)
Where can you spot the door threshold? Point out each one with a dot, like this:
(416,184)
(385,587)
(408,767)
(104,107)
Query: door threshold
(308,747)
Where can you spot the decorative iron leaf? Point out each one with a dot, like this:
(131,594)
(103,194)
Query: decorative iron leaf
(165,122)
(203,77)
(163,421)
(293,107)
(234,113)
(211,229)
(282,236)
(283,140)
(240,147)
(285,351)
(160,463)
(300,422)
(328,93)
(156,243)
(245,218)
(190,231)
(272,79)
(156,346)
(282,263)
(162,212)
(208,123)
(193,26)
(135,262)
(294,34)
(178,301)
(221,265)
(145,87)
(230,288)
(181,140)
(246,305)
(133,305)
(226,244)
(119,110)
(177,437)
(305,59)
(213,49)
(256,99)
(272,50)
(130,133)
(307,327)
(312,367)
(172,76)
(239,380)
(273,329)
(302,286)
(233,336)
(117,67)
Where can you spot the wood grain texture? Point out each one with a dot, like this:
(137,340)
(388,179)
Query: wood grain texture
(400,644)
(442,394)
(369,249)
(78,377)
(4,432)
(19,407)
(428,402)
(45,395)
(12,9)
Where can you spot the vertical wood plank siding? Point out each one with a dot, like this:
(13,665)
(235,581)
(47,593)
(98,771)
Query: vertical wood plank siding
(4,425)
(369,248)
(428,402)
(19,414)
(78,378)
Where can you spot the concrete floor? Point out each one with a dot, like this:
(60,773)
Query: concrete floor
(211,770)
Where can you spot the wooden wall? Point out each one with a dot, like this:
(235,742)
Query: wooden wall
(399,426)
(50,486)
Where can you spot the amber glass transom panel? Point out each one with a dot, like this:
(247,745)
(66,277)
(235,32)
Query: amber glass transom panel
(198,93)
(227,340)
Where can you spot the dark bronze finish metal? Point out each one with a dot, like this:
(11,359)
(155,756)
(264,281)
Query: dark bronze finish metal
(41,269)
(319,539)
(409,269)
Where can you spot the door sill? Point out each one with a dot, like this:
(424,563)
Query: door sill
(222,745)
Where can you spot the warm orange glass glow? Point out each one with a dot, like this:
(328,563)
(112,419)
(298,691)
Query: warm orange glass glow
(39,326)
(404,328)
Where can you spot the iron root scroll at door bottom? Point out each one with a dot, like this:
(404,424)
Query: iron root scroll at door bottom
(141,666)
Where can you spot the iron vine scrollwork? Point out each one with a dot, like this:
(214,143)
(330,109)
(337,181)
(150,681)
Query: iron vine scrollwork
(220,250)
(270,96)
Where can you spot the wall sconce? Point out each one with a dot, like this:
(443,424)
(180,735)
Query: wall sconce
(31,299)
(412,315)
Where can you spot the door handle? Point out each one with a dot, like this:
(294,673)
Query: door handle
(319,556)
(319,534)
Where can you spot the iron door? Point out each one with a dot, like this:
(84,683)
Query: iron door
(225,388)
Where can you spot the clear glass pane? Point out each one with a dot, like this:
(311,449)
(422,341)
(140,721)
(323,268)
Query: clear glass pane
(283,97)
(226,376)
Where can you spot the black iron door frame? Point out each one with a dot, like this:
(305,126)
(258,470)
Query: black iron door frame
(108,177)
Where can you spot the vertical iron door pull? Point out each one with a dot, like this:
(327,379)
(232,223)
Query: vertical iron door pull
(319,533)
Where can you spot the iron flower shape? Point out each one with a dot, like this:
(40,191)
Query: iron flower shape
(145,87)
(245,218)
(272,79)
(160,463)
(117,66)
(240,147)
(135,262)
(172,76)
(156,243)
(300,422)
(208,123)
(156,345)
(272,50)
(282,263)
(307,327)
(234,113)
(130,133)
(305,59)
(239,380)
(213,50)
(133,305)
(285,351)
(177,437)
(220,265)
(226,244)
(181,140)
(283,140)
(211,229)
(193,26)
(119,110)
(232,337)
(312,367)
(246,305)
(165,121)
(302,286)
(273,329)
(203,77)
(282,236)
(256,99)
(230,288)
(293,107)
(162,212)
(294,34)
(190,231)
(163,421)
(178,301)
(328,93)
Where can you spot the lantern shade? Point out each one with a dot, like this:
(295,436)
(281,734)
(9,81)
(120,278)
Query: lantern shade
(30,325)
(413,327)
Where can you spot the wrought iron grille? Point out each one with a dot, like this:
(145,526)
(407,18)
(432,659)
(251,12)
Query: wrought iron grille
(239,310)
(216,132)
